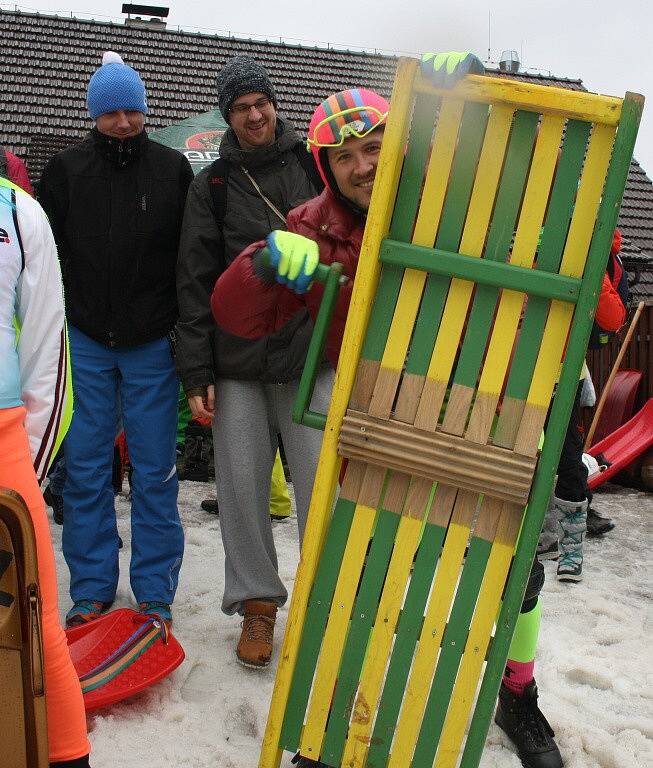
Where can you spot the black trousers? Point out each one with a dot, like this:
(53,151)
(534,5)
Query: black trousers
(572,473)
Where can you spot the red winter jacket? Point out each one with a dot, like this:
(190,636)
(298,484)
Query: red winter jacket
(17,172)
(610,312)
(268,306)
(339,234)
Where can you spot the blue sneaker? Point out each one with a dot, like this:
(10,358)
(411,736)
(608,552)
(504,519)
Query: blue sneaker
(84,611)
(156,610)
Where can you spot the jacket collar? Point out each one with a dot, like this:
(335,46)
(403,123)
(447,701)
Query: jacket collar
(119,152)
(339,221)
(286,140)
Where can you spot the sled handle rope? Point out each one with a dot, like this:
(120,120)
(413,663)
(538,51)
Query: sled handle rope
(125,655)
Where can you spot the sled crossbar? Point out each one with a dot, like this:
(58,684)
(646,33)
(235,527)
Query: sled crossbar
(482,260)
(497,275)
(439,457)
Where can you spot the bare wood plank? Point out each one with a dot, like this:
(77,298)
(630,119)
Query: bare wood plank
(509,524)
(395,494)
(366,374)
(443,504)
(385,390)
(430,404)
(530,430)
(418,496)
(508,424)
(460,401)
(488,518)
(372,486)
(480,423)
(408,398)
(352,480)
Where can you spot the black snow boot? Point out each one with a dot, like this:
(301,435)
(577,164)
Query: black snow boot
(305,762)
(210,506)
(81,762)
(521,720)
(596,524)
(56,502)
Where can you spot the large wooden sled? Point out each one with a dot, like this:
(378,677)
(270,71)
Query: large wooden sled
(23,729)
(484,252)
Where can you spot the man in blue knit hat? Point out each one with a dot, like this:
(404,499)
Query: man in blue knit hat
(115,202)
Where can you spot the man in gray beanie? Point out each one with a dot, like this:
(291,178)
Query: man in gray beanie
(247,388)
(240,76)
(115,202)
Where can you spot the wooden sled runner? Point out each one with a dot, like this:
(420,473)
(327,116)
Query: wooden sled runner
(22,702)
(484,252)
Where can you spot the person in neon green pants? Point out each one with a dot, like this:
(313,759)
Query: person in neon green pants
(279,496)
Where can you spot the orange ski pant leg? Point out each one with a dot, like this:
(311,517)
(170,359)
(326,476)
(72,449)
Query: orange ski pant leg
(65,706)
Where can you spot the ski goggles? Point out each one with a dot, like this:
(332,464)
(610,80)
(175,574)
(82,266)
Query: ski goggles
(334,129)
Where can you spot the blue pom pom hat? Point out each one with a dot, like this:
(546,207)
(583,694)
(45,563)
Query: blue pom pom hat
(115,86)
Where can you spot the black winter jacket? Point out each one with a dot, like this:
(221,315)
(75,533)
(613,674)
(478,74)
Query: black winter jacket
(204,351)
(117,233)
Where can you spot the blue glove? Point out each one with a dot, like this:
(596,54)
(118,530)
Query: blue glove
(444,70)
(294,257)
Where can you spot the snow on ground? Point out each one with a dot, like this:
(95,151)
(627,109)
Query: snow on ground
(593,670)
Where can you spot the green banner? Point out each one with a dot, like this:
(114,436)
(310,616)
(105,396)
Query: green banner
(197,137)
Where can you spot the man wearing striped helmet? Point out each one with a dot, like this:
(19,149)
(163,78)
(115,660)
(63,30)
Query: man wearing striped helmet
(345,136)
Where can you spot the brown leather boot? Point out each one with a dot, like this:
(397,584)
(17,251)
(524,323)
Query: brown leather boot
(255,644)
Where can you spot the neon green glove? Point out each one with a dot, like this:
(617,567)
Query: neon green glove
(444,70)
(294,257)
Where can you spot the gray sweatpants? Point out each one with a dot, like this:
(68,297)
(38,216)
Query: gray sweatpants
(248,417)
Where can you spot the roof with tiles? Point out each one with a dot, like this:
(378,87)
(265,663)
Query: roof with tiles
(53,58)
(57,56)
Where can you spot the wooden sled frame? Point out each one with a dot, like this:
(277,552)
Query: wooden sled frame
(26,746)
(400,386)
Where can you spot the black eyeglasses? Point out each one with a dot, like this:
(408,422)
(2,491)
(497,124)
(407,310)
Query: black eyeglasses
(259,104)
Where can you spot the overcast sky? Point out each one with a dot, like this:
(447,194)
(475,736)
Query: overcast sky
(605,43)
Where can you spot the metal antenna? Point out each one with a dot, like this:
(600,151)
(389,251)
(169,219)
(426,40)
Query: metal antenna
(489,27)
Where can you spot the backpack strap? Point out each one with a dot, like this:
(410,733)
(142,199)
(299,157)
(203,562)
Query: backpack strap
(218,177)
(217,180)
(307,162)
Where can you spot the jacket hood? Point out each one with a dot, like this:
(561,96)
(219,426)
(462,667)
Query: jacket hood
(286,139)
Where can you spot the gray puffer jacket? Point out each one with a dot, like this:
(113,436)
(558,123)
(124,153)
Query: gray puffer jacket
(203,351)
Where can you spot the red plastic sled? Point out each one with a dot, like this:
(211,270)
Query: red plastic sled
(119,655)
(624,445)
(619,403)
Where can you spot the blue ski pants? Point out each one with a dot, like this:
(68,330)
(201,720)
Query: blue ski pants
(143,382)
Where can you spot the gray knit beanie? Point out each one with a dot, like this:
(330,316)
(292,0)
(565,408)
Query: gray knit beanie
(239,76)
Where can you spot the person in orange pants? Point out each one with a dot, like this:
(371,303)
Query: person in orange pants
(35,409)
